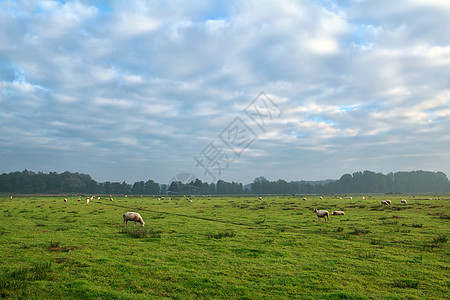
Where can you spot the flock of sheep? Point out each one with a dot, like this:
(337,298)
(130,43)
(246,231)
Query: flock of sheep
(326,215)
(137,218)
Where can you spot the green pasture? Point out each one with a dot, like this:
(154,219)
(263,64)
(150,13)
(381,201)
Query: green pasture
(225,248)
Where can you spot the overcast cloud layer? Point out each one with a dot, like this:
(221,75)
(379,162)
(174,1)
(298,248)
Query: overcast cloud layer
(137,90)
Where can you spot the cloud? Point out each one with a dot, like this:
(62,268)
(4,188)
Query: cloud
(134,90)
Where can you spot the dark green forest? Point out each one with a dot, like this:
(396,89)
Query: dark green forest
(29,182)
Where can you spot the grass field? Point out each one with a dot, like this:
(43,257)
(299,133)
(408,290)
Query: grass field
(225,247)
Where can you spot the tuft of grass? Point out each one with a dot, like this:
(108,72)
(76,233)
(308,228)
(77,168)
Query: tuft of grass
(366,255)
(417,225)
(54,244)
(359,231)
(375,241)
(441,238)
(226,233)
(406,283)
(38,271)
(141,232)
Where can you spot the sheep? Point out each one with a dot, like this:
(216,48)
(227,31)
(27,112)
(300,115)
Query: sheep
(111,199)
(304,198)
(260,198)
(98,198)
(404,201)
(132,216)
(79,199)
(321,198)
(338,213)
(65,199)
(384,202)
(363,198)
(322,214)
(388,202)
(87,200)
(351,197)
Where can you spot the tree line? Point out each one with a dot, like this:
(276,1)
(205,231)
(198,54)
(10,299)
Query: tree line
(29,182)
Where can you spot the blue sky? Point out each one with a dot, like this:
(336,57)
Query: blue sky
(231,90)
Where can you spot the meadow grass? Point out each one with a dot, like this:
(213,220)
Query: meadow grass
(225,247)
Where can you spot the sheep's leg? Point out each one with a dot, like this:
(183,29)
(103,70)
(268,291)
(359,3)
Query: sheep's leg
(134,224)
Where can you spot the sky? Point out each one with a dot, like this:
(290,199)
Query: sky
(229,90)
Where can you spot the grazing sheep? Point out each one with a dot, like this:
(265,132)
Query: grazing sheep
(363,198)
(79,199)
(338,213)
(132,216)
(322,214)
(304,199)
(388,202)
(98,198)
(65,199)
(260,198)
(87,200)
(404,201)
(321,198)
(384,202)
(351,197)
(111,199)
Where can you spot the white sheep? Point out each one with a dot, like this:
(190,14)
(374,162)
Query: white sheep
(132,216)
(322,214)
(404,201)
(79,199)
(384,202)
(321,198)
(304,198)
(338,213)
(351,197)
(260,198)
(388,202)
(65,199)
(87,200)
(111,199)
